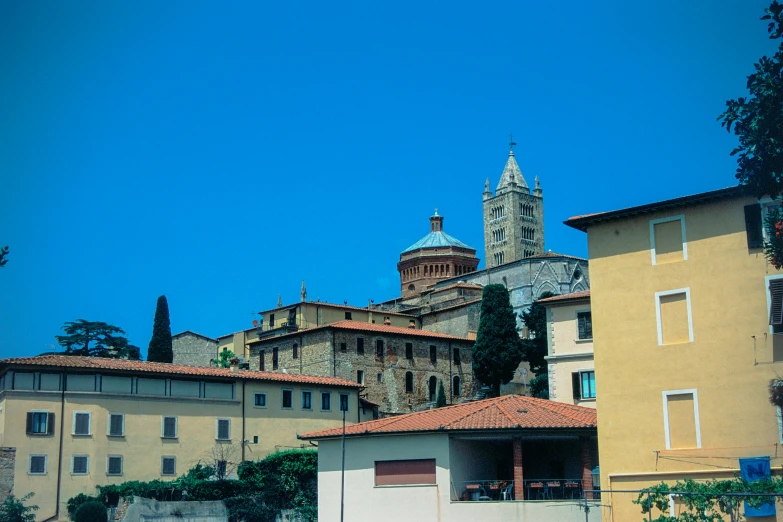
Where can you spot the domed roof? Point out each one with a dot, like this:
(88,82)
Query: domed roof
(437,238)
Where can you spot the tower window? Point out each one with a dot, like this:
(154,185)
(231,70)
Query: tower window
(408,382)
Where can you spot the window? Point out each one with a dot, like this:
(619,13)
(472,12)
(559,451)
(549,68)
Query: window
(37,465)
(380,377)
(360,345)
(404,472)
(271,320)
(681,419)
(40,423)
(223,429)
(326,401)
(457,359)
(775,299)
(584,321)
(583,385)
(667,240)
(295,351)
(753,226)
(409,351)
(455,389)
(288,399)
(116,425)
(675,324)
(343,347)
(348,316)
(379,348)
(261,360)
(80,464)
(360,376)
(433,354)
(307,400)
(114,464)
(168,465)
(408,382)
(259,400)
(81,423)
(274,358)
(169,429)
(343,402)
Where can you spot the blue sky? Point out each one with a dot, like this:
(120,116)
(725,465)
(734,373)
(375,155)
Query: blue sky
(221,153)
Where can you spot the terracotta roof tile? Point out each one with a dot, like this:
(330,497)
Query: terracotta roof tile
(99,363)
(585,294)
(499,413)
(367,327)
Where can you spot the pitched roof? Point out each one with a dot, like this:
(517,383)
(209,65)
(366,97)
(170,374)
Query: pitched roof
(511,173)
(584,221)
(437,239)
(100,363)
(573,296)
(549,254)
(191,332)
(330,305)
(368,327)
(509,412)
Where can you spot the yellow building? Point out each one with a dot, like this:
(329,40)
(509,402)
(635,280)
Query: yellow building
(570,348)
(78,422)
(684,350)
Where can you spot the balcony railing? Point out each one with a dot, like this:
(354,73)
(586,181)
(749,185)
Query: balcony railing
(534,489)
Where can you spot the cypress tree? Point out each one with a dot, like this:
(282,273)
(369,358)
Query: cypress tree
(160,344)
(498,349)
(440,401)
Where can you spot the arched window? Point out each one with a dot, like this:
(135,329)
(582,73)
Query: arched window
(455,386)
(411,288)
(433,388)
(408,382)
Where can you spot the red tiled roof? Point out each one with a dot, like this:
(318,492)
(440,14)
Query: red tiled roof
(500,413)
(361,326)
(584,294)
(100,363)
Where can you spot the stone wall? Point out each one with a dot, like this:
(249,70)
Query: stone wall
(190,349)
(460,320)
(7,467)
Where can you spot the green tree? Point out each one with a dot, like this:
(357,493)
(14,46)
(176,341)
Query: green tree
(498,349)
(96,339)
(535,348)
(224,359)
(539,386)
(91,511)
(440,401)
(12,509)
(160,345)
(757,120)
(3,254)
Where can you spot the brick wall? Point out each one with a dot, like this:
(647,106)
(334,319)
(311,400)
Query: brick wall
(193,350)
(7,464)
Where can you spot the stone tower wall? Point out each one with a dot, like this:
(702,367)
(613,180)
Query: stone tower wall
(516,226)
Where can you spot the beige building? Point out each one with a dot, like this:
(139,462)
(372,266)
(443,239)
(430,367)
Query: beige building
(570,348)
(684,348)
(77,422)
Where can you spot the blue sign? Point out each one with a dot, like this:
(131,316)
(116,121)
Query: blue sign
(752,470)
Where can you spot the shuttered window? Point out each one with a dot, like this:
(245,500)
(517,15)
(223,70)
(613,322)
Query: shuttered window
(116,424)
(585,325)
(576,386)
(753,226)
(168,466)
(223,429)
(114,465)
(169,428)
(40,423)
(80,464)
(37,464)
(81,423)
(326,401)
(288,399)
(776,302)
(404,472)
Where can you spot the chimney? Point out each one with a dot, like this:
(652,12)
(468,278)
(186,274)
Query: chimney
(412,324)
(387,321)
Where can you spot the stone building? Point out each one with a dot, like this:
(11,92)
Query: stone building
(400,368)
(193,349)
(434,257)
(513,217)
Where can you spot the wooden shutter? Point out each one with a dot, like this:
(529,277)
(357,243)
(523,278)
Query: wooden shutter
(169,466)
(80,464)
(581,322)
(50,424)
(776,302)
(169,427)
(82,424)
(753,226)
(402,472)
(29,422)
(576,386)
(115,425)
(223,428)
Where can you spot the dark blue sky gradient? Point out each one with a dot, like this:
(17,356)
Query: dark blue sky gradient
(219,154)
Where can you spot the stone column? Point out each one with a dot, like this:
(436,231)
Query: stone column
(519,482)
(586,457)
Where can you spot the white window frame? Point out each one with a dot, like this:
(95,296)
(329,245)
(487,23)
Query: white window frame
(311,400)
(697,424)
(576,325)
(767,280)
(30,464)
(256,394)
(122,465)
(89,424)
(108,426)
(321,396)
(163,426)
(217,428)
(658,295)
(162,459)
(282,399)
(653,222)
(73,458)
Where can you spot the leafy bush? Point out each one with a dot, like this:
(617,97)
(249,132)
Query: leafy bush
(74,503)
(91,511)
(13,509)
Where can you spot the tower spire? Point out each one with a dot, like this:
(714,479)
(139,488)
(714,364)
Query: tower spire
(303,292)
